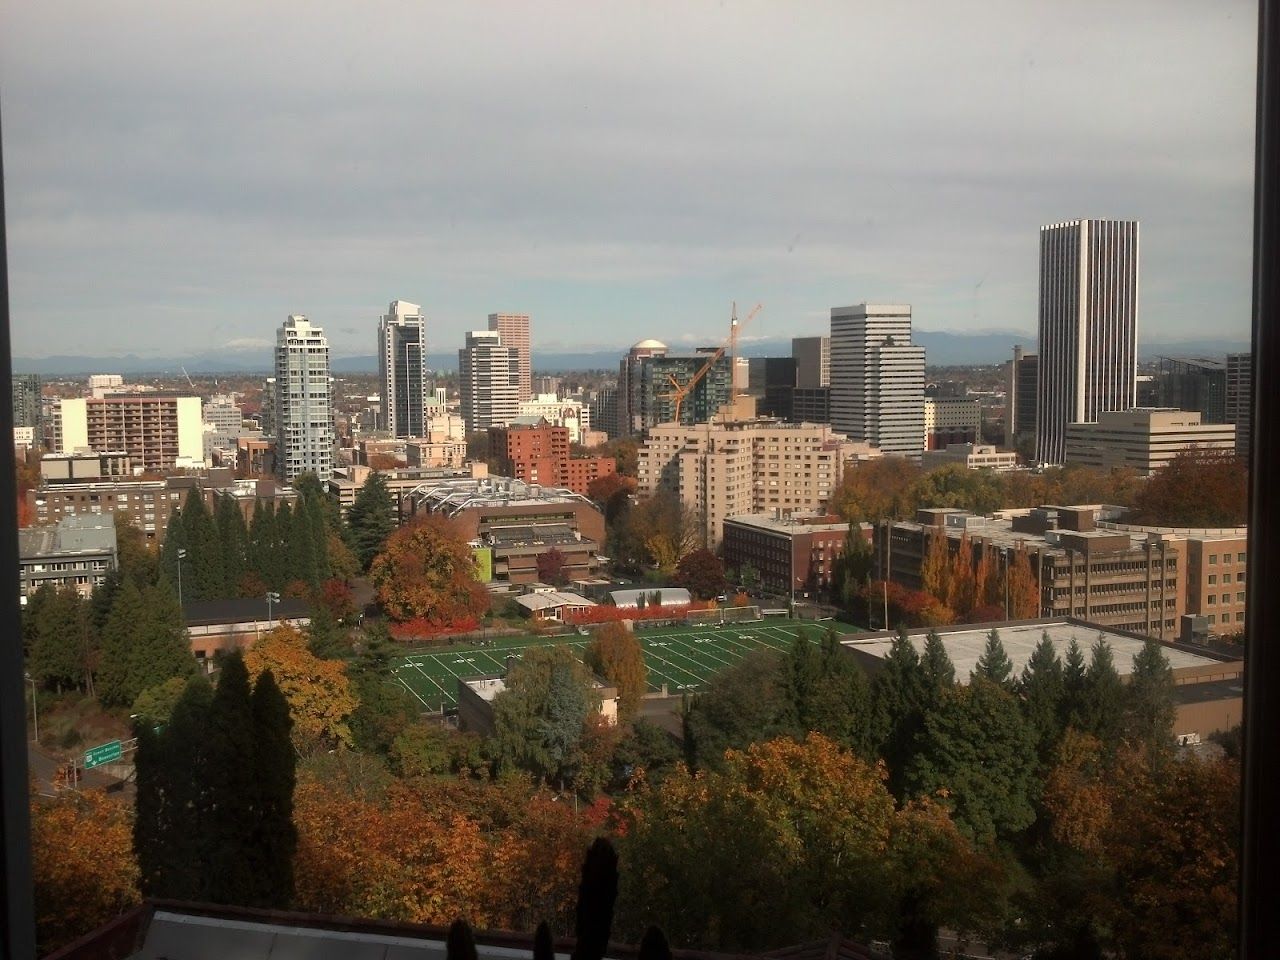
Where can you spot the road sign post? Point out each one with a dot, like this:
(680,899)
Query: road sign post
(103,753)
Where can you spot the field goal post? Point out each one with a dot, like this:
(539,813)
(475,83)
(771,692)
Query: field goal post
(704,617)
(749,614)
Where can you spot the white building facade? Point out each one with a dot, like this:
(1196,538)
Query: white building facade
(488,381)
(303,407)
(877,378)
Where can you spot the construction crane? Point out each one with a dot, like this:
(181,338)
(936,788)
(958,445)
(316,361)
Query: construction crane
(679,391)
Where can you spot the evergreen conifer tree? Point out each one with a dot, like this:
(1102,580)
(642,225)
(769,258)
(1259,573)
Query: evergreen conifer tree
(280,547)
(274,772)
(63,649)
(371,519)
(204,577)
(840,706)
(1043,687)
(1104,696)
(170,825)
(939,671)
(1074,671)
(1150,710)
(233,538)
(143,644)
(104,594)
(175,539)
(324,636)
(802,668)
(32,615)
(230,778)
(300,548)
(898,706)
(319,535)
(994,664)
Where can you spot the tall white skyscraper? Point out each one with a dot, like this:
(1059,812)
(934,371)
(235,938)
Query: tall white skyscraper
(515,330)
(402,374)
(303,407)
(1088,350)
(488,381)
(877,378)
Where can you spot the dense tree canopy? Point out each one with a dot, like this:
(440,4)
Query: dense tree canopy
(371,519)
(1197,488)
(427,571)
(318,691)
(702,574)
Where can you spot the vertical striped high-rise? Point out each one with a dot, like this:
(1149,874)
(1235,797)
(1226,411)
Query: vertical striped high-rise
(1088,331)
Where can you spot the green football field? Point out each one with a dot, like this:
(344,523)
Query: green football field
(682,658)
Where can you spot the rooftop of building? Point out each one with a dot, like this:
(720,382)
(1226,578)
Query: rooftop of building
(197,613)
(451,497)
(670,596)
(70,536)
(550,600)
(965,644)
(649,345)
(791,523)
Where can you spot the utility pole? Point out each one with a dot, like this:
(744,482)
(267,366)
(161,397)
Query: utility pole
(35,710)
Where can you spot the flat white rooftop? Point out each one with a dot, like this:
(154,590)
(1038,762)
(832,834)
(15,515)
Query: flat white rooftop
(965,645)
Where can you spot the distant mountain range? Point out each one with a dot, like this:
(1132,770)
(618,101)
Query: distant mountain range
(942,349)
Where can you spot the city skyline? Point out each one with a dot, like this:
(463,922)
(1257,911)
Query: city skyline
(611,199)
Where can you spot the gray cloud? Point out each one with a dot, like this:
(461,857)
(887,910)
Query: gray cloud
(186,176)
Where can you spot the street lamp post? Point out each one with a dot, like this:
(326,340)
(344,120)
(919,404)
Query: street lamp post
(35,710)
(272,597)
(182,555)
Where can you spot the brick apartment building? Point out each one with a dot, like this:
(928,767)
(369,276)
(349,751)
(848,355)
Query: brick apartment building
(536,452)
(794,554)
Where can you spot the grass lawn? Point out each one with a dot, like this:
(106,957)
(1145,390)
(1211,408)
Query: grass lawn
(681,658)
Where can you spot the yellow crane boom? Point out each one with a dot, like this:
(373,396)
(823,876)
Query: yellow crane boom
(679,391)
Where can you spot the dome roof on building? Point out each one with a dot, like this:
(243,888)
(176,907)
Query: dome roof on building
(650,345)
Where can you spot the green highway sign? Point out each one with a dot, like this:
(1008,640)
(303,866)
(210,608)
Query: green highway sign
(104,753)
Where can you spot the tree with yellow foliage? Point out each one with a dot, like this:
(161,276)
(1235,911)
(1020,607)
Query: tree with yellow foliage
(319,692)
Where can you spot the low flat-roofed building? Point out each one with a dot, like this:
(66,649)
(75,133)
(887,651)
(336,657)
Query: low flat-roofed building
(1208,686)
(476,696)
(221,626)
(551,604)
(83,466)
(972,456)
(795,553)
(519,521)
(1145,438)
(75,552)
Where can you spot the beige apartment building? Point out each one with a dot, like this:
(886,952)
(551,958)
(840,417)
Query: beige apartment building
(155,431)
(732,466)
(1145,438)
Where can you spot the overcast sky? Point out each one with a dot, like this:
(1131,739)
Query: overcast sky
(182,176)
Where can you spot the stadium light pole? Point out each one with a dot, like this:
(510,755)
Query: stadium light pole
(182,554)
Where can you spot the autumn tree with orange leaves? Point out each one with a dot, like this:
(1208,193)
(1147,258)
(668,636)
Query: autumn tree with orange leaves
(615,655)
(82,863)
(427,571)
(319,693)
(501,855)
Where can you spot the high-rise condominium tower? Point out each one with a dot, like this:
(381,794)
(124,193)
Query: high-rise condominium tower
(488,381)
(1088,351)
(402,373)
(877,378)
(514,328)
(303,408)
